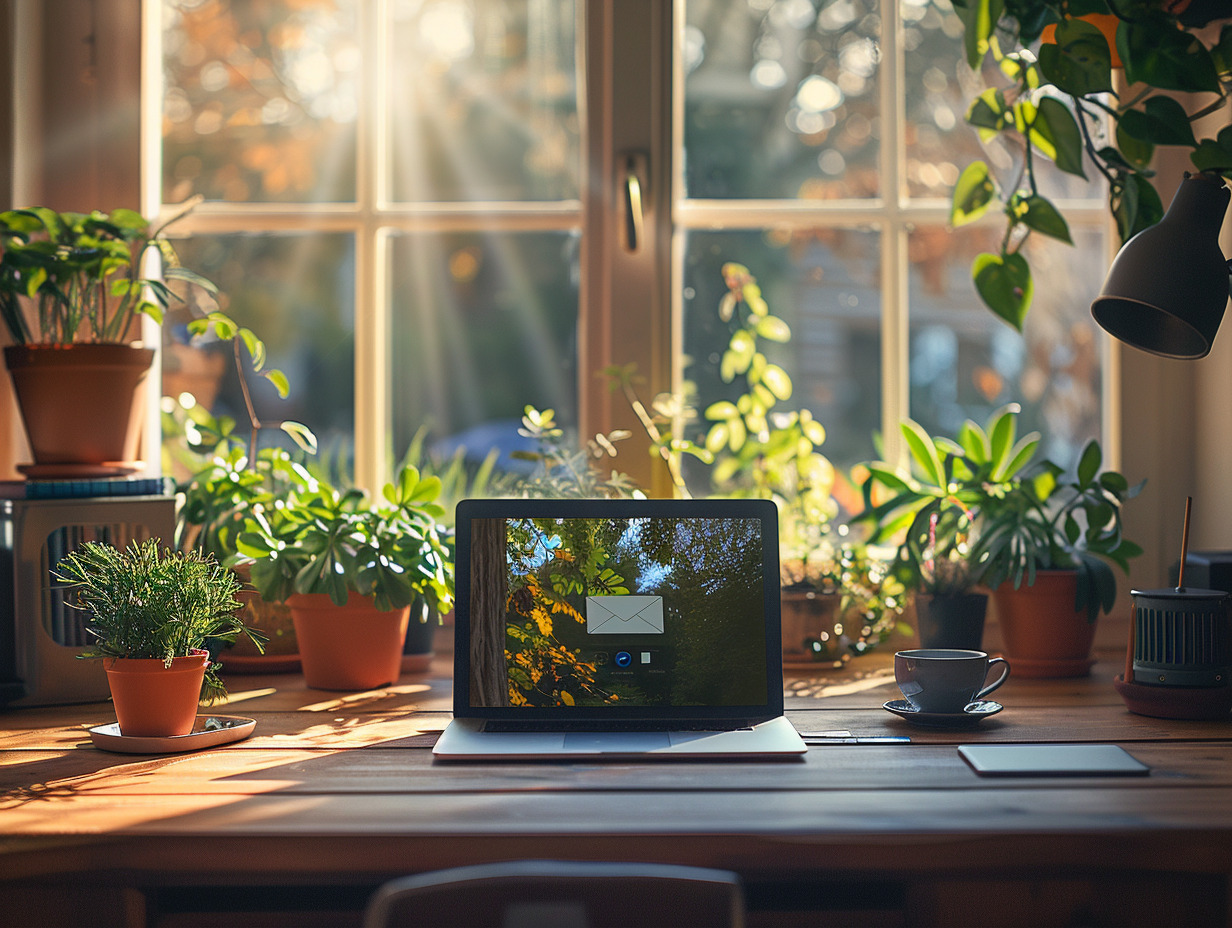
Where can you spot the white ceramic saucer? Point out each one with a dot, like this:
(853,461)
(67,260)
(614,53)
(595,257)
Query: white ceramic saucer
(970,716)
(209,731)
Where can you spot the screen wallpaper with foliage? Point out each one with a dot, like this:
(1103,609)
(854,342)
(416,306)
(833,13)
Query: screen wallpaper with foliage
(619,612)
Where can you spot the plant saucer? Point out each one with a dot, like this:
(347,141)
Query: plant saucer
(209,731)
(971,716)
(70,471)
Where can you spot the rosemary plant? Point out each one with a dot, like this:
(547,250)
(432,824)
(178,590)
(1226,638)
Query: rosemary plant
(141,602)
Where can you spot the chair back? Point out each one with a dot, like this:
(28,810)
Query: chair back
(560,894)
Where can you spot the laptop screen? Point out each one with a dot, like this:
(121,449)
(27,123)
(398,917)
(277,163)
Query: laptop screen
(591,609)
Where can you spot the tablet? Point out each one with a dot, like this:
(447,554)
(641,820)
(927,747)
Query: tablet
(1051,760)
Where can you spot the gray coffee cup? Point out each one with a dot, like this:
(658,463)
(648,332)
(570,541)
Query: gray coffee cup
(945,679)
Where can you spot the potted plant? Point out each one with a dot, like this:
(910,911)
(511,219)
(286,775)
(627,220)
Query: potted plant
(352,571)
(72,288)
(928,517)
(839,600)
(1036,531)
(151,612)
(229,475)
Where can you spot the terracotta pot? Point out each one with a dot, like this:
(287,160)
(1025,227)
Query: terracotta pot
(952,621)
(279,655)
(1044,635)
(350,647)
(80,403)
(1106,23)
(155,701)
(809,615)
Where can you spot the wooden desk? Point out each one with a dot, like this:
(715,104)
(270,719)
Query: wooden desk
(335,793)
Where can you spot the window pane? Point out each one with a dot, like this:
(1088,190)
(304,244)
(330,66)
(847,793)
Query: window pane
(824,285)
(482,326)
(965,362)
(296,292)
(260,100)
(781,99)
(484,100)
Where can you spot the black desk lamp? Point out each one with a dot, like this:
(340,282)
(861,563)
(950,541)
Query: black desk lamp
(1166,293)
(1167,288)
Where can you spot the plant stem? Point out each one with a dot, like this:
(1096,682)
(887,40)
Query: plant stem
(254,423)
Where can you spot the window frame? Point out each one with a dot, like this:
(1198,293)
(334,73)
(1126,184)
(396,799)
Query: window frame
(631,101)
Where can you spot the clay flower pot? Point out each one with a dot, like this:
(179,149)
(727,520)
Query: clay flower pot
(152,700)
(350,647)
(1044,634)
(809,616)
(80,403)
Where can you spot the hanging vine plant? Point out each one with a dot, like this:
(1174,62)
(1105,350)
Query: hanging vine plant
(1177,65)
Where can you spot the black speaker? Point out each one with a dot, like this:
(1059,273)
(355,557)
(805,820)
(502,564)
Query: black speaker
(1182,637)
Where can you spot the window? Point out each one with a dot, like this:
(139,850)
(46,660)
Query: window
(420,206)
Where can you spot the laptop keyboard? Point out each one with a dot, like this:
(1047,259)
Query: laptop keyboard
(532,725)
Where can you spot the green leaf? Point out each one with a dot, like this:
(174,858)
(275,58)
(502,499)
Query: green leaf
(1004,284)
(774,329)
(256,348)
(973,194)
(1089,464)
(722,410)
(989,111)
(1056,123)
(887,477)
(301,435)
(974,442)
(921,446)
(279,380)
(1019,455)
(1222,52)
(1135,151)
(1135,206)
(1002,431)
(1210,155)
(777,381)
(183,273)
(1161,121)
(979,19)
(1044,218)
(1155,52)
(428,489)
(1080,62)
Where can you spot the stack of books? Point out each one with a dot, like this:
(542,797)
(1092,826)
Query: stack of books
(82,488)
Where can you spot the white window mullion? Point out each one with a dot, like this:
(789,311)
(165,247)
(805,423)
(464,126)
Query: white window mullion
(372,292)
(895,354)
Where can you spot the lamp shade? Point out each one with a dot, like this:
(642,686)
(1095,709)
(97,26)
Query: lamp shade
(1168,286)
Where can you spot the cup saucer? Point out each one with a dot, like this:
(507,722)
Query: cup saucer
(971,715)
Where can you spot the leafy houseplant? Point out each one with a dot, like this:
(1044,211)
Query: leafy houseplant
(1029,518)
(321,550)
(1054,105)
(157,609)
(72,287)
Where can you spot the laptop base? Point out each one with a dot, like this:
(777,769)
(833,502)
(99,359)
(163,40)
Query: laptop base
(465,739)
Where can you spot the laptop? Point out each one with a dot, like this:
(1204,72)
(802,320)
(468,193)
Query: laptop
(617,628)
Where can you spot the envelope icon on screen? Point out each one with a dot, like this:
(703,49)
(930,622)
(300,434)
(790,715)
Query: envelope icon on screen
(624,615)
